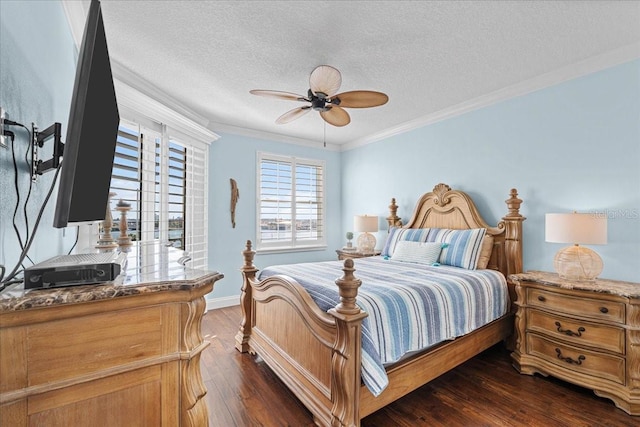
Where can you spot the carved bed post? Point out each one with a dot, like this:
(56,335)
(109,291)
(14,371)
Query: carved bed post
(248,274)
(513,234)
(393,219)
(345,362)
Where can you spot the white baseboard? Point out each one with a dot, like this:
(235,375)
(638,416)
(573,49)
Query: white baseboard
(214,303)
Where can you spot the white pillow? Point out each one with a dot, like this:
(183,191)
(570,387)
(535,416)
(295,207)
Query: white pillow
(417,252)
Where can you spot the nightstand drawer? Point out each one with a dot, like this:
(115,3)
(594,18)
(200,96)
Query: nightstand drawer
(586,307)
(599,336)
(577,359)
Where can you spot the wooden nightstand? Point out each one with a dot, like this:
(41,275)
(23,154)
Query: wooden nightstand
(586,333)
(343,254)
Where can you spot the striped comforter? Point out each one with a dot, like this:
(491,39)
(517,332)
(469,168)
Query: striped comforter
(410,306)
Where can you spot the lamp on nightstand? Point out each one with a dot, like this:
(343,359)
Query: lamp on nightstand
(576,262)
(366,224)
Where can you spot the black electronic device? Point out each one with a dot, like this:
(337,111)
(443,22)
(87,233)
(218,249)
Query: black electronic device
(92,130)
(78,269)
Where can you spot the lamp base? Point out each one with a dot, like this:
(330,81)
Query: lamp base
(366,243)
(577,263)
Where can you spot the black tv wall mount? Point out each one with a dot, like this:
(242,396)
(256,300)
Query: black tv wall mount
(38,167)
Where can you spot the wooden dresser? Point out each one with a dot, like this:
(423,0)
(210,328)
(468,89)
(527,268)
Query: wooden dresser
(586,333)
(115,354)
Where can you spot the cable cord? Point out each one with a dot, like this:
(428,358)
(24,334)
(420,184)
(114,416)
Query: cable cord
(16,185)
(15,271)
(29,164)
(76,242)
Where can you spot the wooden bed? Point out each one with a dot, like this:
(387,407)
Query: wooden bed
(317,354)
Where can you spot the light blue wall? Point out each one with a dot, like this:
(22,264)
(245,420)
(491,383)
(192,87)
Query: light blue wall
(572,146)
(37,70)
(234,156)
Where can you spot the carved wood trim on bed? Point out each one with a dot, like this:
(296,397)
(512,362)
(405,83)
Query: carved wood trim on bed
(318,354)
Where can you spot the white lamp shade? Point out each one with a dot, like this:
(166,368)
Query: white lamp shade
(365,223)
(576,228)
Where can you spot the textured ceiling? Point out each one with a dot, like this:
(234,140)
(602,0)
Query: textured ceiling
(427,56)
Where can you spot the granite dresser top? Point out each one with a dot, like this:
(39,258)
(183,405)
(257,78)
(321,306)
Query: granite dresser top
(613,287)
(148,268)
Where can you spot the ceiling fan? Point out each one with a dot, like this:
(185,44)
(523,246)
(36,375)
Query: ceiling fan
(324,82)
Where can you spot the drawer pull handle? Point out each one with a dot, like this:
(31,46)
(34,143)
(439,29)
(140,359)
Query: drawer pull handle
(604,310)
(541,298)
(570,360)
(569,331)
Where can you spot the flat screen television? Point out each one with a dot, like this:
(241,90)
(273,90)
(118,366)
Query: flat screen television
(90,143)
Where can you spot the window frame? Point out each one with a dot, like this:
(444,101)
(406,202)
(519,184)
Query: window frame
(292,245)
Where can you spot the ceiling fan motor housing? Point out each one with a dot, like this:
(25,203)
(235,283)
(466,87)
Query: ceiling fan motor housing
(319,104)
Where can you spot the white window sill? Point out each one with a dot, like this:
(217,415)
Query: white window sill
(289,249)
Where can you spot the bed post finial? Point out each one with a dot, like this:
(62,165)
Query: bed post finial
(513,234)
(393,219)
(348,285)
(248,255)
(513,203)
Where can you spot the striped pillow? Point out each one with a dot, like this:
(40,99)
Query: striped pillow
(417,252)
(397,234)
(464,246)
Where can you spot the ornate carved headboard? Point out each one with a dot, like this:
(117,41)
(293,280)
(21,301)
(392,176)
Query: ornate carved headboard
(447,208)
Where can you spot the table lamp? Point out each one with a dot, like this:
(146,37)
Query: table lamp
(576,262)
(366,224)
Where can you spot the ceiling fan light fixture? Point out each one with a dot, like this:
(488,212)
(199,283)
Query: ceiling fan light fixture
(325,79)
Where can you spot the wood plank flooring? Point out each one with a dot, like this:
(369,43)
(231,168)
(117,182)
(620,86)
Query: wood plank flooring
(485,391)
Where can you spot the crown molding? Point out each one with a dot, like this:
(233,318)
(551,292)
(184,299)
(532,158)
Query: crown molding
(590,65)
(253,133)
(131,79)
(136,102)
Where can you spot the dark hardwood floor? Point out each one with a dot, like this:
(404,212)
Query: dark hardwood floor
(485,391)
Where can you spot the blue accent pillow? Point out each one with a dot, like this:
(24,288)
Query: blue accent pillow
(463,248)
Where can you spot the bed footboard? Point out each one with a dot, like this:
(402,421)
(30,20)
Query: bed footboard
(316,354)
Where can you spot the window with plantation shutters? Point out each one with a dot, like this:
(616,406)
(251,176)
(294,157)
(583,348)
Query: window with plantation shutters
(290,203)
(126,180)
(164,178)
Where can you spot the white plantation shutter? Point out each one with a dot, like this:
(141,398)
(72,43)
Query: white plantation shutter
(165,180)
(309,206)
(149,208)
(290,203)
(196,203)
(125,177)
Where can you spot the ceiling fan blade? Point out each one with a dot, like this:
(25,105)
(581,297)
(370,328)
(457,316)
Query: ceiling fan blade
(361,99)
(279,94)
(325,79)
(292,115)
(336,116)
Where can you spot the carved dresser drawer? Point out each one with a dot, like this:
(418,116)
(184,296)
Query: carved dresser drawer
(583,332)
(579,332)
(579,306)
(577,359)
